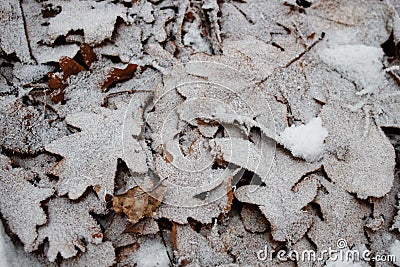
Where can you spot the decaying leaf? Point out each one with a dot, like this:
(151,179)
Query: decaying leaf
(70,225)
(136,203)
(68,67)
(89,56)
(90,156)
(20,203)
(119,75)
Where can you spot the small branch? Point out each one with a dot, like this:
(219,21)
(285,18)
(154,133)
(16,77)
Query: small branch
(305,51)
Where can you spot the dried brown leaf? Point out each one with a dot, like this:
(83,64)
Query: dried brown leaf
(117,75)
(137,203)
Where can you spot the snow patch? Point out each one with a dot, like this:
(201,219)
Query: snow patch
(360,63)
(305,141)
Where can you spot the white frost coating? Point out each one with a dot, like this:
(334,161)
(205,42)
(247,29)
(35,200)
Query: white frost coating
(96,19)
(305,141)
(395,250)
(3,253)
(152,253)
(360,63)
(193,38)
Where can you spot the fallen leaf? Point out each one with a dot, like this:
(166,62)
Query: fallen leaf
(137,203)
(101,255)
(118,75)
(343,217)
(78,15)
(70,225)
(89,56)
(363,160)
(90,156)
(20,204)
(12,36)
(193,249)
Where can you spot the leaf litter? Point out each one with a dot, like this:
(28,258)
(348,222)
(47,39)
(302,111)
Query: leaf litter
(243,125)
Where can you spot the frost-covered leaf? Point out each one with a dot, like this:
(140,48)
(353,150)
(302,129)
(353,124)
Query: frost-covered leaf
(115,232)
(193,249)
(12,36)
(12,255)
(148,251)
(20,203)
(102,255)
(283,209)
(364,159)
(343,217)
(26,129)
(96,19)
(200,195)
(90,156)
(70,225)
(127,43)
(282,195)
(253,220)
(360,63)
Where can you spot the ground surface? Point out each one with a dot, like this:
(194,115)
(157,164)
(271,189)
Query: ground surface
(199,133)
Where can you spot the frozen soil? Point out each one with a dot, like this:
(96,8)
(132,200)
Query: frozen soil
(199,133)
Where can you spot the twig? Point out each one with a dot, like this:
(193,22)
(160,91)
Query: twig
(305,51)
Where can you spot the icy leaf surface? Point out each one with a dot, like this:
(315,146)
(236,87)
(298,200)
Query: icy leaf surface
(253,220)
(365,159)
(90,156)
(96,19)
(283,195)
(69,225)
(150,251)
(20,204)
(26,129)
(193,249)
(12,36)
(343,218)
(101,255)
(358,62)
